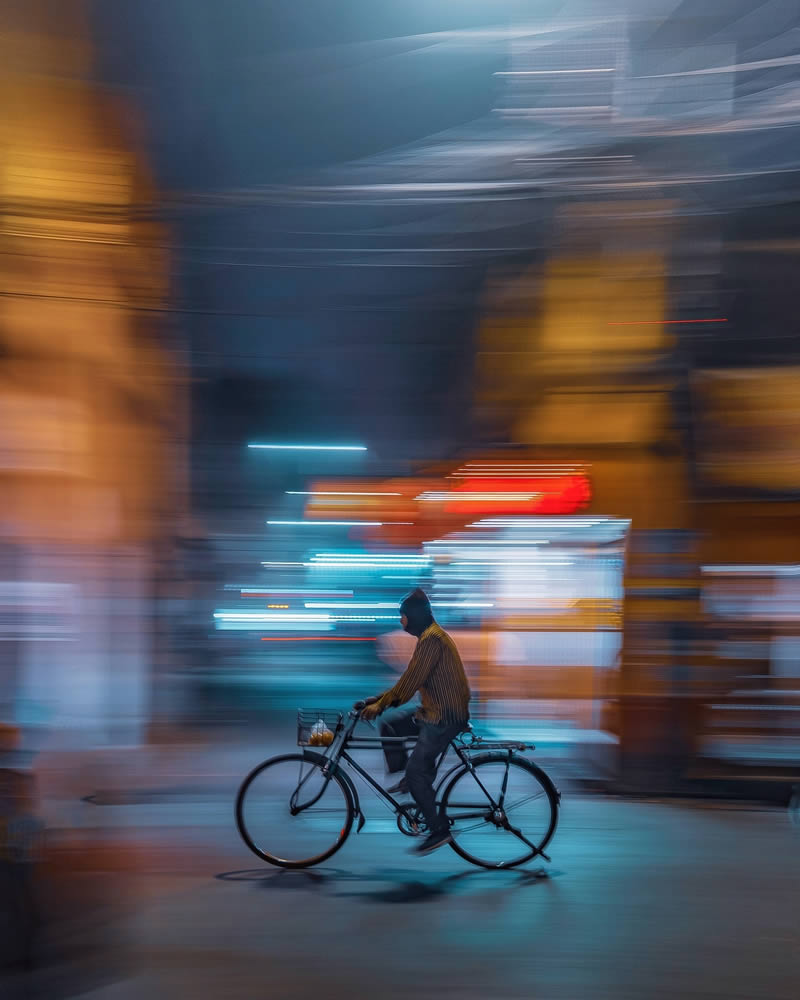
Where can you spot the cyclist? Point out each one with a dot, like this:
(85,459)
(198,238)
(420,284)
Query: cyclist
(436,671)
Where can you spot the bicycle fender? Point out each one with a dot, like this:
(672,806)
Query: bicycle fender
(440,780)
(317,758)
(500,756)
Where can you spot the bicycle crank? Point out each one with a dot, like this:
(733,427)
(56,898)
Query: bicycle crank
(411,822)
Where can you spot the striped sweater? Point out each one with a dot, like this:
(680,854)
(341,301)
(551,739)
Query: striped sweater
(436,671)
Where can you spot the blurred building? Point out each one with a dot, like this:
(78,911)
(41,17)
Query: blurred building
(90,437)
(579,249)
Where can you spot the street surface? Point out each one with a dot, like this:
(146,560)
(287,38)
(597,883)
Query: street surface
(643,900)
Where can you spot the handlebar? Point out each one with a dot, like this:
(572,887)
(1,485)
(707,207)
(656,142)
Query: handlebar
(360,705)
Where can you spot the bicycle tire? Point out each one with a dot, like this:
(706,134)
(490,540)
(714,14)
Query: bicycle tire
(314,762)
(533,771)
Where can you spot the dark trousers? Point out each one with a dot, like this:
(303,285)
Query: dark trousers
(420,767)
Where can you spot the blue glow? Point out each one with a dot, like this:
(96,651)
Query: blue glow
(363,564)
(337,493)
(373,556)
(283,591)
(395,604)
(310,447)
(344,607)
(281,619)
(331,524)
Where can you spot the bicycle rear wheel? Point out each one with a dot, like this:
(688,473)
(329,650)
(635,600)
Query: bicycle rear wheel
(502,813)
(291,814)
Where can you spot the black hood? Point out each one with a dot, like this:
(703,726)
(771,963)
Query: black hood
(417,609)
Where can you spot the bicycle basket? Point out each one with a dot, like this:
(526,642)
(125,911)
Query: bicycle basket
(311,722)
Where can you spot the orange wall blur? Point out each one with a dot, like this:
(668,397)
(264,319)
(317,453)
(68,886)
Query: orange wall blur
(86,392)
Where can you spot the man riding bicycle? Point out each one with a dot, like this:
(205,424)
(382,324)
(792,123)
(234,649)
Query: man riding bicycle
(436,671)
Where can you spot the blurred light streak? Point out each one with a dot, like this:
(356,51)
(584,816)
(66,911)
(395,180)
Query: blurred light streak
(544,523)
(757,64)
(461,604)
(472,497)
(307,626)
(309,447)
(554,72)
(282,564)
(556,110)
(497,542)
(369,560)
(318,638)
(336,493)
(336,524)
(355,605)
(508,559)
(570,159)
(665,322)
(260,616)
(394,604)
(255,592)
(334,564)
(781,569)
(364,618)
(371,556)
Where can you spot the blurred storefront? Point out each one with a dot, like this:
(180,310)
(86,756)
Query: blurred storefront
(90,455)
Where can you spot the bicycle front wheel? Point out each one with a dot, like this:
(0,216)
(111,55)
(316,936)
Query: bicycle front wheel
(502,812)
(291,814)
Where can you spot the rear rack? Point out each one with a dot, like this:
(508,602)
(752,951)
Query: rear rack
(469,741)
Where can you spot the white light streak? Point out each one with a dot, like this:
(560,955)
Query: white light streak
(308,591)
(258,619)
(555,110)
(461,604)
(360,564)
(261,616)
(381,605)
(554,72)
(756,64)
(496,542)
(543,523)
(372,556)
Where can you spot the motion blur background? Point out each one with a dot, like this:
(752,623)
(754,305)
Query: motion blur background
(304,305)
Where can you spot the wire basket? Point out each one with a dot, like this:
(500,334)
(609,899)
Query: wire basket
(308,724)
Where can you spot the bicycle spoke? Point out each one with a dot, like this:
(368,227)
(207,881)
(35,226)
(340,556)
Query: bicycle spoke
(520,836)
(505,785)
(527,812)
(528,798)
(291,813)
(475,826)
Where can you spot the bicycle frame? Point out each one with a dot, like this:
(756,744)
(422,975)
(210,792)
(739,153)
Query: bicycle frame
(344,740)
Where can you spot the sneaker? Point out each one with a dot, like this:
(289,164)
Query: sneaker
(401,788)
(436,839)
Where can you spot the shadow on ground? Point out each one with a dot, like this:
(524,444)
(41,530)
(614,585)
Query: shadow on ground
(389,885)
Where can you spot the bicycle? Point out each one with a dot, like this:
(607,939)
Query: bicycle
(493,790)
